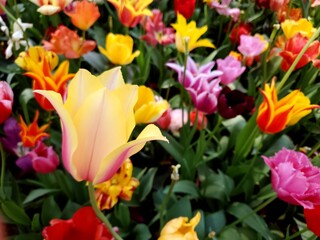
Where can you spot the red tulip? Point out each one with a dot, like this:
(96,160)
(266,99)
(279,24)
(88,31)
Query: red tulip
(185,7)
(83,225)
(312,217)
(293,47)
(6,101)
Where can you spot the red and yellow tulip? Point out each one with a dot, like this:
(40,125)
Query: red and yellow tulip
(275,115)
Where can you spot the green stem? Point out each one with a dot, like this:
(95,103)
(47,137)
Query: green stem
(99,214)
(297,234)
(3,168)
(304,49)
(165,202)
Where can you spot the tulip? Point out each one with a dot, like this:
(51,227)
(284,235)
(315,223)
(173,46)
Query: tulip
(238,30)
(275,115)
(251,47)
(36,59)
(131,12)
(180,229)
(185,8)
(165,119)
(234,102)
(41,159)
(44,159)
(201,83)
(147,109)
(222,7)
(83,14)
(187,35)
(83,225)
(291,27)
(156,32)
(67,42)
(11,136)
(50,7)
(121,185)
(200,117)
(178,118)
(32,133)
(97,119)
(119,49)
(231,69)
(312,218)
(39,64)
(6,101)
(294,178)
(292,49)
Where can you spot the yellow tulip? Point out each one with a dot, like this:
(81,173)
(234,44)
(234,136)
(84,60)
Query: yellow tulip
(292,27)
(147,109)
(119,49)
(187,35)
(97,120)
(180,229)
(121,185)
(35,58)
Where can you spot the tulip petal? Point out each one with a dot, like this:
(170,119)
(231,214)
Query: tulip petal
(102,115)
(82,85)
(69,139)
(114,160)
(112,78)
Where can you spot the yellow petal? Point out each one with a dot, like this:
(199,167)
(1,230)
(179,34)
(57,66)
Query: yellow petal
(114,160)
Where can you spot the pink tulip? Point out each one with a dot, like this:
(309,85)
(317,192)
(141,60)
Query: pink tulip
(231,68)
(44,158)
(6,101)
(201,83)
(294,178)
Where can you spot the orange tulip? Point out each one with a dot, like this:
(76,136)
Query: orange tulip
(275,115)
(83,14)
(67,42)
(39,65)
(32,133)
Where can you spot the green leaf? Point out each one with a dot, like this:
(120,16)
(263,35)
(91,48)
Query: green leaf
(180,208)
(218,186)
(141,231)
(146,184)
(34,194)
(29,236)
(215,221)
(15,212)
(245,213)
(245,139)
(50,210)
(187,187)
(35,224)
(229,234)
(122,214)
(174,148)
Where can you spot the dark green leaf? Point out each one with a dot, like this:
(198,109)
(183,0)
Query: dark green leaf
(248,216)
(15,212)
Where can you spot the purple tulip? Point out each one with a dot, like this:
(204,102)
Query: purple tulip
(201,83)
(234,102)
(11,139)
